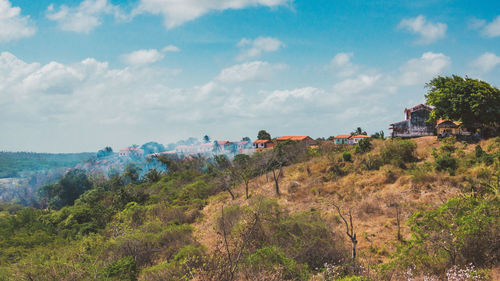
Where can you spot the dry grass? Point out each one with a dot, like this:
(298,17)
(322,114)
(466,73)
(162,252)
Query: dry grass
(306,186)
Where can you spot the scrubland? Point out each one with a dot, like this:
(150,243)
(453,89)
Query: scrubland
(422,209)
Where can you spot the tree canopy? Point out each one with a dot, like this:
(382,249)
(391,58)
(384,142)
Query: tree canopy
(263,135)
(471,101)
(359,131)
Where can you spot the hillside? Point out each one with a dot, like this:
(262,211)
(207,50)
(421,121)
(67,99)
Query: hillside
(370,194)
(184,225)
(15,164)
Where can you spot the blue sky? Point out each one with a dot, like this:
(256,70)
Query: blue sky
(80,75)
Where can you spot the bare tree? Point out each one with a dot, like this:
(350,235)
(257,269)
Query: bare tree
(396,203)
(349,230)
(243,170)
(223,264)
(225,182)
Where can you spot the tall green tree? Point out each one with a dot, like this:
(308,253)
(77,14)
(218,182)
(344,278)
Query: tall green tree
(263,135)
(471,101)
(66,190)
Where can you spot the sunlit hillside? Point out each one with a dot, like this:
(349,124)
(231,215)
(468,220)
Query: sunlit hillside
(419,209)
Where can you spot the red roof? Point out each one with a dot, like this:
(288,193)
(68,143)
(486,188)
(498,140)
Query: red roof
(261,141)
(293,138)
(441,121)
(343,136)
(360,136)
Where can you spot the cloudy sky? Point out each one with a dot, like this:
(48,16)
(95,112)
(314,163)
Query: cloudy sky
(80,75)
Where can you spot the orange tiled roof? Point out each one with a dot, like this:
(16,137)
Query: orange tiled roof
(261,141)
(294,138)
(441,121)
(360,136)
(343,136)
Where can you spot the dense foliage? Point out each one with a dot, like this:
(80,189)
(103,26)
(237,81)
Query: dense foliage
(471,101)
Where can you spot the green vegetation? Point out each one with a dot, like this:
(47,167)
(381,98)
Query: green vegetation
(473,102)
(183,225)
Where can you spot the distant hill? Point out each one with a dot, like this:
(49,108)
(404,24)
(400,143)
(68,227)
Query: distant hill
(15,164)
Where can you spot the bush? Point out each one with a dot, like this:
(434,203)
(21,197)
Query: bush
(371,162)
(464,230)
(273,261)
(446,163)
(363,146)
(123,269)
(347,156)
(397,152)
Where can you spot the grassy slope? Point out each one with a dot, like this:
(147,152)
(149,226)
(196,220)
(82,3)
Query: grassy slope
(367,193)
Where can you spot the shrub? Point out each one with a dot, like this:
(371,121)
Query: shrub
(273,261)
(398,152)
(363,146)
(464,230)
(307,239)
(337,169)
(347,156)
(446,163)
(123,269)
(371,162)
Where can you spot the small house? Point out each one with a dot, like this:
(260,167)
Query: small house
(262,144)
(341,139)
(308,141)
(356,138)
(446,128)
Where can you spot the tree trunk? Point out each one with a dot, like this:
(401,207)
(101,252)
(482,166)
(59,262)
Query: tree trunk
(398,220)
(276,177)
(230,192)
(354,243)
(246,189)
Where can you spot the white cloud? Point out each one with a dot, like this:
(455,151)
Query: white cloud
(342,66)
(255,48)
(85,17)
(492,29)
(420,70)
(171,48)
(178,12)
(486,62)
(88,104)
(300,100)
(13,26)
(356,85)
(142,57)
(256,71)
(429,32)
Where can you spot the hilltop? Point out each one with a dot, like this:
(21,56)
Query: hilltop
(184,225)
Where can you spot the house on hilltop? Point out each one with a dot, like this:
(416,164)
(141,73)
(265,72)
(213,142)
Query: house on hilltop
(446,128)
(341,139)
(356,138)
(348,139)
(415,124)
(308,141)
(262,144)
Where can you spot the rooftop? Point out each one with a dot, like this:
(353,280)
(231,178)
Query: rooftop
(294,138)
